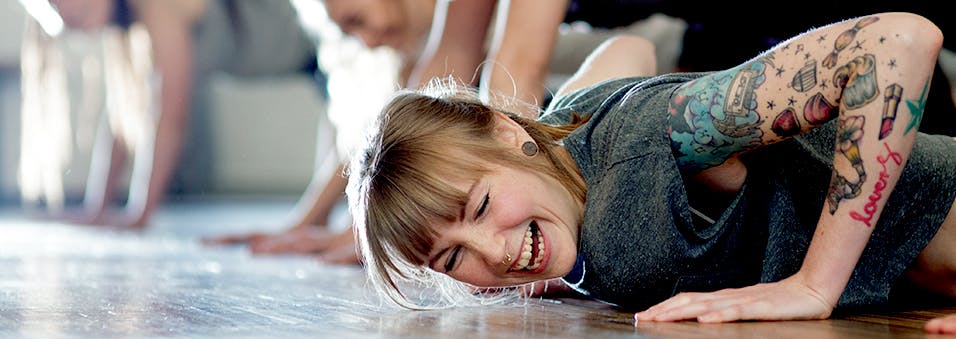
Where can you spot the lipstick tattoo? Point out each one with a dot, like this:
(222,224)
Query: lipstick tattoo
(891,100)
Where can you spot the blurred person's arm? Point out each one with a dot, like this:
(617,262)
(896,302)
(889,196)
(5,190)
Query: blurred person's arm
(325,189)
(519,55)
(525,35)
(169,23)
(455,45)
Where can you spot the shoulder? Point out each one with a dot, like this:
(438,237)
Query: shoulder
(623,94)
(588,98)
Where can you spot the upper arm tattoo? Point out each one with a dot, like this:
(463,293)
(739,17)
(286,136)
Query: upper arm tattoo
(712,118)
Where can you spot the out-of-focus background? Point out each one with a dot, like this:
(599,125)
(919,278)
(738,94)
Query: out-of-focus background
(260,136)
(263,142)
(11,31)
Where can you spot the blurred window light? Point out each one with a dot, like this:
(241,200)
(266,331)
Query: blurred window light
(45,14)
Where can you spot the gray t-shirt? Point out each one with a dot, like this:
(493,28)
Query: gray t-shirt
(640,244)
(252,38)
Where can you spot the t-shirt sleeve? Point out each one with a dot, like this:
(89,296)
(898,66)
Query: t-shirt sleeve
(587,100)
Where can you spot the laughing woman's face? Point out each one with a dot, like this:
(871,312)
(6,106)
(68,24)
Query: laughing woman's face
(517,227)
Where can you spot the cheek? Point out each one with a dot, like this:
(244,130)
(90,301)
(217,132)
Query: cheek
(475,273)
(401,21)
(515,208)
(418,21)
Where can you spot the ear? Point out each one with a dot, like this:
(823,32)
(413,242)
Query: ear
(509,132)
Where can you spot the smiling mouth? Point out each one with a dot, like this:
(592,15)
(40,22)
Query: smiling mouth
(532,249)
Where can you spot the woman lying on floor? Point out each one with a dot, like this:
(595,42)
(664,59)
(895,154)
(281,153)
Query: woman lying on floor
(713,196)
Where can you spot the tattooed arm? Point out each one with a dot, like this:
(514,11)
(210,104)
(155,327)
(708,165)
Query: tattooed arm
(870,73)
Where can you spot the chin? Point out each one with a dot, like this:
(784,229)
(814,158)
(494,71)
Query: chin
(560,269)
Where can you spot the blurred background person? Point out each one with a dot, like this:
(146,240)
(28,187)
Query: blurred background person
(359,79)
(156,57)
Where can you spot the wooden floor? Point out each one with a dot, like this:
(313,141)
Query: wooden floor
(68,281)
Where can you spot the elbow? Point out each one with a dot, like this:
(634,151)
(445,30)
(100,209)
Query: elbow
(918,34)
(931,34)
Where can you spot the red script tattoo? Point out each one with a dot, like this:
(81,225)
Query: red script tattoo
(870,208)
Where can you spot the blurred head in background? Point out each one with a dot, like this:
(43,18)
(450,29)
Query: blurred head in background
(84,14)
(399,24)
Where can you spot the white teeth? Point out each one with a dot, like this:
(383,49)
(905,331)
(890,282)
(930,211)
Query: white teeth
(540,256)
(525,257)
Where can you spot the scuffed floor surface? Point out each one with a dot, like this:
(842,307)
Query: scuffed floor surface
(62,280)
(65,280)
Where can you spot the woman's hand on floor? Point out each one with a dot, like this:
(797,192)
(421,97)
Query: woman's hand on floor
(942,325)
(788,299)
(118,219)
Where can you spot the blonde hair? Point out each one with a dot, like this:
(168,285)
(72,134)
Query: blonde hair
(399,184)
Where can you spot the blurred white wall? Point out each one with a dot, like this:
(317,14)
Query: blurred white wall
(11,28)
(266,134)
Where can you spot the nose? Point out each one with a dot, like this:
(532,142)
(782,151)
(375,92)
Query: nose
(491,245)
(371,39)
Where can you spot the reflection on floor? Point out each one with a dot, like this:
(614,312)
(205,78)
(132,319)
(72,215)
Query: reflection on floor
(61,280)
(64,280)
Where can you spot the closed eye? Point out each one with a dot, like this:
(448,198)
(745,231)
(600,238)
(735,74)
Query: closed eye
(484,205)
(452,259)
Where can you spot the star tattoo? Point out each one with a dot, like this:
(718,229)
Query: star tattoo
(858,45)
(916,109)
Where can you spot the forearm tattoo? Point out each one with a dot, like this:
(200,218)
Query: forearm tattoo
(849,134)
(859,83)
(890,158)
